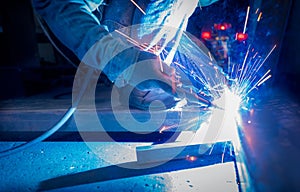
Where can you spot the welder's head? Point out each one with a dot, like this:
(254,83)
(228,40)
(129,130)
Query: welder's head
(166,19)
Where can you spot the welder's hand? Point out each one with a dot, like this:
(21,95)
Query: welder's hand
(169,80)
(150,80)
(151,67)
(167,19)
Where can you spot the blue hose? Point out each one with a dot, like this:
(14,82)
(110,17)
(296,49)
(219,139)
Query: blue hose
(44,136)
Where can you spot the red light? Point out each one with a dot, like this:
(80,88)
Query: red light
(206,35)
(222,27)
(241,36)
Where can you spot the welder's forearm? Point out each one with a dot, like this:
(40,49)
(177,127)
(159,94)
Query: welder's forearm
(75,26)
(72,22)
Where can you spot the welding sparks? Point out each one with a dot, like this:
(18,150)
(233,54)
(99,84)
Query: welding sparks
(191,158)
(246,20)
(210,57)
(269,54)
(245,78)
(259,17)
(242,78)
(132,1)
(268,77)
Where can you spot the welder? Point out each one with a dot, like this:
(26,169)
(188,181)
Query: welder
(79,24)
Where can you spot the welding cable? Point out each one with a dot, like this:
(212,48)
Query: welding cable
(68,113)
(59,124)
(44,136)
(62,121)
(45,29)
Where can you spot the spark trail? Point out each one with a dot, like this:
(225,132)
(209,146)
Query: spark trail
(243,80)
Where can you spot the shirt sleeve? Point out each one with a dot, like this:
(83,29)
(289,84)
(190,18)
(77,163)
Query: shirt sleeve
(73,23)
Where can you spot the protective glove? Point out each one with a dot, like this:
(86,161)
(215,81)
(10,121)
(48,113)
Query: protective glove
(150,80)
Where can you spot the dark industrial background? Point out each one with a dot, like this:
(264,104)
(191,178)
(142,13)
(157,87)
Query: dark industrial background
(29,64)
(289,59)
